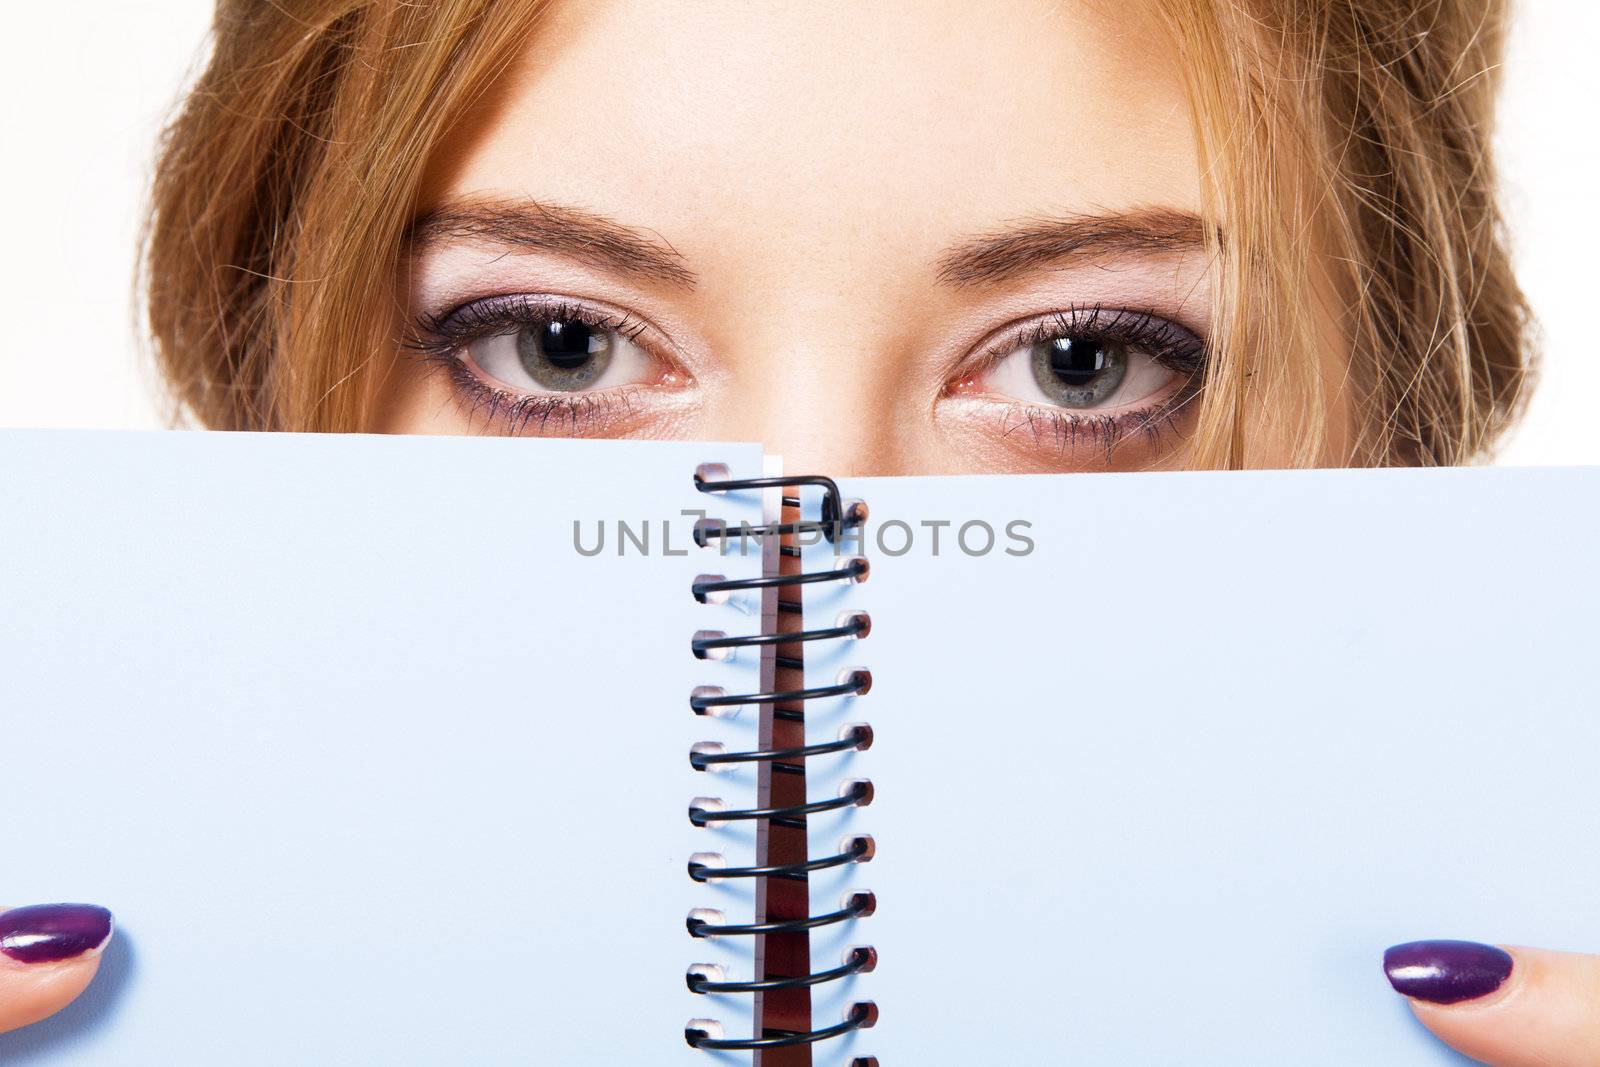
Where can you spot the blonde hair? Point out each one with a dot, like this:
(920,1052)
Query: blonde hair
(1345,149)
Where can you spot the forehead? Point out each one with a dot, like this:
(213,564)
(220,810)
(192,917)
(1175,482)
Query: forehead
(888,126)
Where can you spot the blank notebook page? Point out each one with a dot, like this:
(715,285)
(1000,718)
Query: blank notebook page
(370,763)
(1163,789)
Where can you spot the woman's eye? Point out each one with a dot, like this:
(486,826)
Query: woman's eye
(1081,372)
(1078,373)
(560,356)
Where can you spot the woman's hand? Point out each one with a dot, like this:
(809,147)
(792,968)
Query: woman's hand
(49,953)
(1518,1007)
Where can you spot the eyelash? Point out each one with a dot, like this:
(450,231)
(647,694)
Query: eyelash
(1169,344)
(455,329)
(442,340)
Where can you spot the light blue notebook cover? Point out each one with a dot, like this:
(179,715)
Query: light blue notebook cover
(1162,789)
(372,765)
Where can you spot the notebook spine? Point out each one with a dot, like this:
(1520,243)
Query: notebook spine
(837,518)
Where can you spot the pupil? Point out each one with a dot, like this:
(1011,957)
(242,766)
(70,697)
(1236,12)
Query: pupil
(1076,362)
(566,345)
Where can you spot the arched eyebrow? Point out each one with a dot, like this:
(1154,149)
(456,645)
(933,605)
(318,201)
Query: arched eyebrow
(583,236)
(1045,243)
(536,226)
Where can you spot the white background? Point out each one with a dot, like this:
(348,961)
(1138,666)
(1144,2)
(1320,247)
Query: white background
(88,83)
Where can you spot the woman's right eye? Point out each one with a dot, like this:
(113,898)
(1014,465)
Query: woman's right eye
(527,346)
(550,365)
(561,356)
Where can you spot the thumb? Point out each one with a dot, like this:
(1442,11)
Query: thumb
(48,955)
(1518,1007)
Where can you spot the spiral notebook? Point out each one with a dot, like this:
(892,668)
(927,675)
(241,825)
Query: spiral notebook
(370,762)
(412,751)
(1162,787)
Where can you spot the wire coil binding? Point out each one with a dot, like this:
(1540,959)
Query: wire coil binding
(837,517)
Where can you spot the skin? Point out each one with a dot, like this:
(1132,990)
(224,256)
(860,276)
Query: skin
(814,182)
(792,188)
(33,991)
(1547,1014)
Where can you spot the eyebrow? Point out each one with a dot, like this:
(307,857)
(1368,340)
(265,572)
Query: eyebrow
(535,226)
(1040,244)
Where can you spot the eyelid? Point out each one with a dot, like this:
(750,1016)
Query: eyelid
(488,315)
(445,341)
(1130,325)
(1105,431)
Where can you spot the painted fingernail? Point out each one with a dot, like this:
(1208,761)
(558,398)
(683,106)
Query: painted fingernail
(47,933)
(1446,972)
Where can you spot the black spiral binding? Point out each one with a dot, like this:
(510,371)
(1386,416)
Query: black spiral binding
(836,518)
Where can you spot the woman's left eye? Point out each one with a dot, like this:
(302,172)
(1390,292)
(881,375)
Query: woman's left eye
(1103,367)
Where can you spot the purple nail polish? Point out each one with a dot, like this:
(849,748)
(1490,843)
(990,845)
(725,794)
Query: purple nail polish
(1446,972)
(46,933)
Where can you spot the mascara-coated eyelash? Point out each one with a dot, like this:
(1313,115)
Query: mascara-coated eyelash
(1088,374)
(1163,340)
(453,330)
(543,362)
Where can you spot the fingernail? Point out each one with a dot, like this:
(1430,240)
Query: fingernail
(1446,972)
(47,933)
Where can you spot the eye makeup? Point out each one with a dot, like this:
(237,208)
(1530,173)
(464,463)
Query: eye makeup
(547,364)
(1083,376)
(1056,390)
